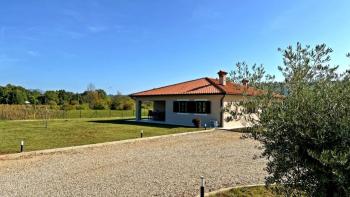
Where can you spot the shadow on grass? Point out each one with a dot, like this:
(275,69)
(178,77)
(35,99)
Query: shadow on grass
(132,122)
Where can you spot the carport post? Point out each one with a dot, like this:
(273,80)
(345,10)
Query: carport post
(202,187)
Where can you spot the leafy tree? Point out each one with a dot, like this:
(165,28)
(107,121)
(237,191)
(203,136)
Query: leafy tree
(96,98)
(101,94)
(121,102)
(306,134)
(64,97)
(50,97)
(13,94)
(34,96)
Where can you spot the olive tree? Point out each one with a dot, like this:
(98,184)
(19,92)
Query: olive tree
(305,134)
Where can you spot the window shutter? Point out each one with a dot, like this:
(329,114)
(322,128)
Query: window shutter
(176,106)
(208,107)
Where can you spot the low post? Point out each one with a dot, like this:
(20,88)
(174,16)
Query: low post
(141,133)
(46,117)
(202,187)
(22,146)
(205,126)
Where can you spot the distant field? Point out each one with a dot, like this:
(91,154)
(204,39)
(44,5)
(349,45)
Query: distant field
(23,112)
(73,132)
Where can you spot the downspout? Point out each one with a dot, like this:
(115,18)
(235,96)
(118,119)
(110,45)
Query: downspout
(222,111)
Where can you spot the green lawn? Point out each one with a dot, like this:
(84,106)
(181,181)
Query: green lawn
(258,191)
(73,132)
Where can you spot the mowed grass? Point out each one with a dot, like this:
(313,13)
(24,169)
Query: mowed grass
(73,132)
(255,191)
(258,191)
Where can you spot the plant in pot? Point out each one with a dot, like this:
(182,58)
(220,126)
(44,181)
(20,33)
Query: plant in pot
(197,122)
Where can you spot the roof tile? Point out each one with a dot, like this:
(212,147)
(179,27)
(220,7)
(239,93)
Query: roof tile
(200,86)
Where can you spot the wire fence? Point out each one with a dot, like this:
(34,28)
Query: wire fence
(23,112)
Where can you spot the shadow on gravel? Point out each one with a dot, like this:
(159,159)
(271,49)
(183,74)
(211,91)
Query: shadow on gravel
(131,122)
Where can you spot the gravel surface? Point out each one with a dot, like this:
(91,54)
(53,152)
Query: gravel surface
(168,166)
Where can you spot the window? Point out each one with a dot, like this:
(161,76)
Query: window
(183,106)
(200,107)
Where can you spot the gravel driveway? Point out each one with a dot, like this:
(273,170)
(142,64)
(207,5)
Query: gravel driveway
(168,166)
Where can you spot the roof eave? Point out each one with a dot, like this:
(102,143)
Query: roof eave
(133,95)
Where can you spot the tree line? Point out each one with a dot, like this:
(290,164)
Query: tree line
(91,98)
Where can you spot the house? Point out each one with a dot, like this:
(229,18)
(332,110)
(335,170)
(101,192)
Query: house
(203,98)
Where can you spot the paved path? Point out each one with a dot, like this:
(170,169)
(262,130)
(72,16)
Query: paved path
(159,167)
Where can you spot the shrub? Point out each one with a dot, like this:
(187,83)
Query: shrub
(82,107)
(306,134)
(196,122)
(67,106)
(99,106)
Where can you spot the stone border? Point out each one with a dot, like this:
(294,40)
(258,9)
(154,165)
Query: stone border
(229,188)
(30,154)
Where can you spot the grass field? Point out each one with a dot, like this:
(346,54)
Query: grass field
(72,132)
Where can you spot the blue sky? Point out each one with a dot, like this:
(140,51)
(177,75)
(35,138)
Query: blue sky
(134,45)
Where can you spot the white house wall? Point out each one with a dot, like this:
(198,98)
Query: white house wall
(186,118)
(241,122)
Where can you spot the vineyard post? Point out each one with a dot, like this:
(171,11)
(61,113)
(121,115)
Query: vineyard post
(34,111)
(46,110)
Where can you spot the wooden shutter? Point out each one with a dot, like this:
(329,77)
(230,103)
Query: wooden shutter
(176,106)
(207,107)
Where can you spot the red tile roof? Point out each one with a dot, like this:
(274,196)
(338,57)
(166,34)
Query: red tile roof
(200,86)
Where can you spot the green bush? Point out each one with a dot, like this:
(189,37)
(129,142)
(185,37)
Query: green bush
(82,107)
(306,134)
(99,106)
(67,106)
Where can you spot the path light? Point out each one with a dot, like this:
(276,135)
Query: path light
(202,187)
(141,133)
(22,146)
(205,126)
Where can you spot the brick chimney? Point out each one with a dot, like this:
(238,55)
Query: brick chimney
(245,82)
(222,77)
